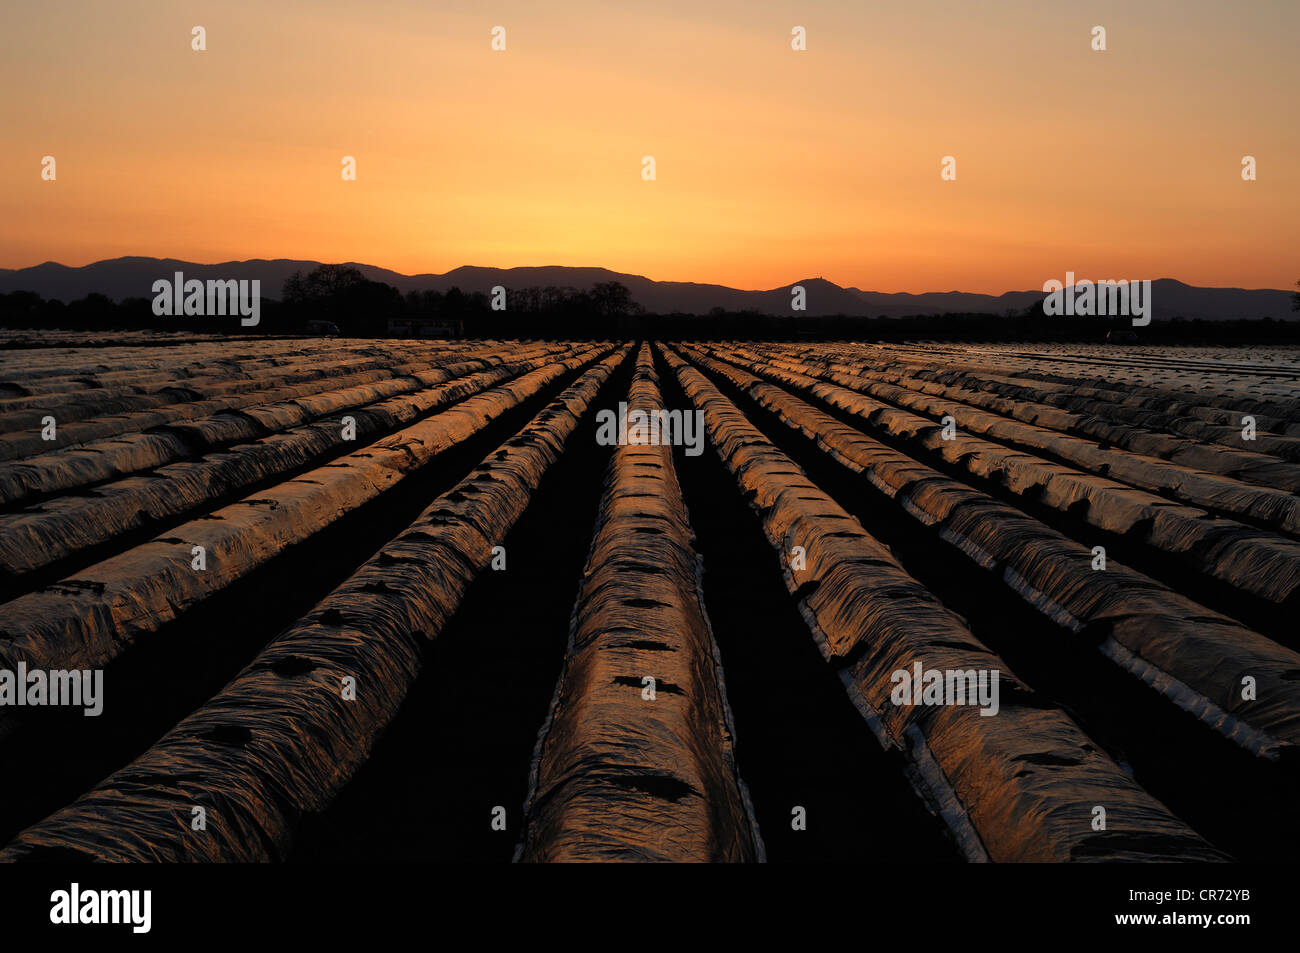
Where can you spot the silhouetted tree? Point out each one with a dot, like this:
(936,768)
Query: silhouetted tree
(613,299)
(342,294)
(327,281)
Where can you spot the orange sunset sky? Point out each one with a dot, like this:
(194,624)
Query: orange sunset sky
(773,165)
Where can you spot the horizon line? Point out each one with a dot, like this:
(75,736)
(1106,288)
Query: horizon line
(779,287)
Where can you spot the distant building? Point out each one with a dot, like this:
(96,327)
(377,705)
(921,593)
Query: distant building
(424,328)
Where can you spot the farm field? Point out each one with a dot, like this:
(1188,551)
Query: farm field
(358,600)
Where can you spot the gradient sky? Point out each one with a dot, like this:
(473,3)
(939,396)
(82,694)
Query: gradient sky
(772,165)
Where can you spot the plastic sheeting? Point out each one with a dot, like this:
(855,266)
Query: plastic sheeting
(85,415)
(1000,362)
(218,377)
(620,775)
(37,537)
(93,403)
(1038,428)
(1094,413)
(1201,655)
(280,741)
(1255,561)
(87,621)
(1018,786)
(1217,378)
(200,424)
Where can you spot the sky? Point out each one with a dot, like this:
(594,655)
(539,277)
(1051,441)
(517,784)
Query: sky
(772,165)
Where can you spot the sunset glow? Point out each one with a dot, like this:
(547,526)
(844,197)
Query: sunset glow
(772,165)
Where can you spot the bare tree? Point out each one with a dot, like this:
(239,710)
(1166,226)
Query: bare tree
(327,281)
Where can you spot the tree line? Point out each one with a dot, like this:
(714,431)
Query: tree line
(340,299)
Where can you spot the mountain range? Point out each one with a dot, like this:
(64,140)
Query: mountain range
(134,277)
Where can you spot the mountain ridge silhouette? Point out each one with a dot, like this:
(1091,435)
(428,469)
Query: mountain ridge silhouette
(133,276)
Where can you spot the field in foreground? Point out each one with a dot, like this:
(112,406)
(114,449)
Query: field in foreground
(362,600)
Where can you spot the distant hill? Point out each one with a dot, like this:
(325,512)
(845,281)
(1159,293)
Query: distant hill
(134,276)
